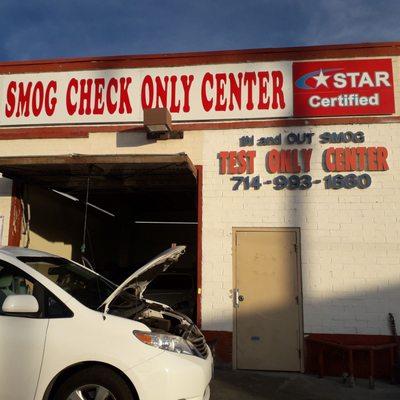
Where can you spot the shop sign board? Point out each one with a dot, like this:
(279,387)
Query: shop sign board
(258,90)
(346,161)
(343,87)
(191,93)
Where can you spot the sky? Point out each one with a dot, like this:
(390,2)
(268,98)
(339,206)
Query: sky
(40,29)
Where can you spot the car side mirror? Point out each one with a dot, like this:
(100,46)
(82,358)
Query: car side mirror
(20,304)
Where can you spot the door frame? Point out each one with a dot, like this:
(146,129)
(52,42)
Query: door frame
(236,230)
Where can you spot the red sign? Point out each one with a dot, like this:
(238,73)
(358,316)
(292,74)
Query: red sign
(349,87)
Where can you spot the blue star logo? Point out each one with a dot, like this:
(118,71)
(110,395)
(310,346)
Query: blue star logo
(318,75)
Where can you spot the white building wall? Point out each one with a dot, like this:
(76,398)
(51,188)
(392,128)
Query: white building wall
(97,143)
(350,245)
(5,209)
(350,239)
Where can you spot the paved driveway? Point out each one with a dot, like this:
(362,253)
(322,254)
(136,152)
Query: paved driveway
(245,385)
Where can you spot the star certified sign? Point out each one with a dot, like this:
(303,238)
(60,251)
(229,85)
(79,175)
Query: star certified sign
(344,87)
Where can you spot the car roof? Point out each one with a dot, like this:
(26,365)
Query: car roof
(23,252)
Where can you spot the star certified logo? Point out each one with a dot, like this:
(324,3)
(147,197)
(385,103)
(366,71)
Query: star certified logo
(320,78)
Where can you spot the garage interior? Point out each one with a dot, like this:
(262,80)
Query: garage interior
(116,211)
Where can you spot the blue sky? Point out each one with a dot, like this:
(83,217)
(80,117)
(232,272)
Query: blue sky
(35,29)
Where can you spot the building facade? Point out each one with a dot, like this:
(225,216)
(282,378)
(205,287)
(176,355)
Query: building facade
(295,156)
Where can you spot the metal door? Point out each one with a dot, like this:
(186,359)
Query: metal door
(267,300)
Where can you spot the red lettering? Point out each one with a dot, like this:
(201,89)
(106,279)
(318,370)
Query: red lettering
(186,84)
(111,106)
(249,81)
(37,98)
(381,156)
(242,159)
(23,100)
(223,156)
(263,98)
(72,85)
(207,103)
(232,163)
(236,91)
(98,106)
(361,158)
(50,103)
(220,104)
(161,92)
(251,155)
(339,158)
(278,99)
(372,166)
(330,165)
(124,102)
(350,157)
(286,161)
(10,106)
(272,161)
(295,161)
(306,157)
(147,92)
(85,96)
(175,107)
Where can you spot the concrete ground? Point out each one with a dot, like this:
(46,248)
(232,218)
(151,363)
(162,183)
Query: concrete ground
(246,385)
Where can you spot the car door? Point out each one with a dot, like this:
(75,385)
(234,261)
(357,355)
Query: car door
(22,337)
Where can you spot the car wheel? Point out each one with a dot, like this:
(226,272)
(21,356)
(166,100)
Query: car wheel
(95,383)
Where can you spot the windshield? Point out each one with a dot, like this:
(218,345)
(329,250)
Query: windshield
(82,284)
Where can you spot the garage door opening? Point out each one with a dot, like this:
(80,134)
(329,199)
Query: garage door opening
(114,213)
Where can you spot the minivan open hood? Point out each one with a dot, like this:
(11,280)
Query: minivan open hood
(144,275)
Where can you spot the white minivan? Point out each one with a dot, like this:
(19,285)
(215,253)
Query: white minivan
(67,333)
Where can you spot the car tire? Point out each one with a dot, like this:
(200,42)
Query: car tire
(88,380)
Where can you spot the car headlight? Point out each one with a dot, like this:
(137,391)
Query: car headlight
(167,342)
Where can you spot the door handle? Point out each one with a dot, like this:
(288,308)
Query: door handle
(237,298)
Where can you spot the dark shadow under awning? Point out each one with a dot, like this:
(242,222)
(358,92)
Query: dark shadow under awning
(130,172)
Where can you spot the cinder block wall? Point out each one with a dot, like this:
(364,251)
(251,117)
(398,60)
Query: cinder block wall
(350,238)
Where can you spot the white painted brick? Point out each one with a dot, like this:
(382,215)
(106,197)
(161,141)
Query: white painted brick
(350,245)
(350,238)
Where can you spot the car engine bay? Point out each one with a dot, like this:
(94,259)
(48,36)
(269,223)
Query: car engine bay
(162,319)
